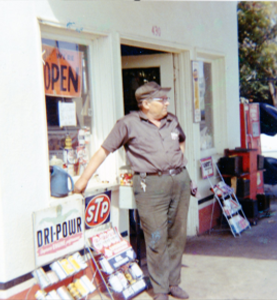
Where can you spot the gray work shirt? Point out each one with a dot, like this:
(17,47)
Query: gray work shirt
(148,148)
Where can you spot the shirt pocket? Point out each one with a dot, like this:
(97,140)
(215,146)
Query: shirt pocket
(151,145)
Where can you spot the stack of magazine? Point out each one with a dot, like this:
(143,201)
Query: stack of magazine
(220,189)
(116,258)
(230,206)
(238,223)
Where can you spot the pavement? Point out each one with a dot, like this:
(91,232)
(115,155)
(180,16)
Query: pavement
(217,265)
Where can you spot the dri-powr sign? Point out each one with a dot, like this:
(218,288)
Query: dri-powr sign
(62,72)
(58,231)
(97,209)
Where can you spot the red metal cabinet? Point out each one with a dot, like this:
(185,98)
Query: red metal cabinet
(256,184)
(249,158)
(250,126)
(249,169)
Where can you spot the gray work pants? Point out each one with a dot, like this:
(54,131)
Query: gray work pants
(163,210)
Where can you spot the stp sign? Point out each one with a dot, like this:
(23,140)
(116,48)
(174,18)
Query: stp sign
(97,210)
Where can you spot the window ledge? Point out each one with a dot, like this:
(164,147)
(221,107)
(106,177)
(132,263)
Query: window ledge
(208,152)
(93,187)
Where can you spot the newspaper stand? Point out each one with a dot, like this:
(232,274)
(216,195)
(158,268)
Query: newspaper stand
(228,202)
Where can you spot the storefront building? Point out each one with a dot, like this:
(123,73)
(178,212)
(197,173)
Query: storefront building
(90,56)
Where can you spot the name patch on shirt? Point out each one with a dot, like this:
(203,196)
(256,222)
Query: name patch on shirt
(174,135)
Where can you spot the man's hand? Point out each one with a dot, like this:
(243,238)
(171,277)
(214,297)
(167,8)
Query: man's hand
(80,185)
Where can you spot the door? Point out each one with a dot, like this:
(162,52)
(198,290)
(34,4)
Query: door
(137,70)
(156,67)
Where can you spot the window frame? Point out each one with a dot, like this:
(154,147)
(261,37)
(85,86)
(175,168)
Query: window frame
(71,36)
(212,103)
(219,101)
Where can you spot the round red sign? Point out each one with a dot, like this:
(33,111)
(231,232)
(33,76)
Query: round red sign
(98,210)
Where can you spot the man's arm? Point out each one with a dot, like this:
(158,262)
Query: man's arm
(94,163)
(182,146)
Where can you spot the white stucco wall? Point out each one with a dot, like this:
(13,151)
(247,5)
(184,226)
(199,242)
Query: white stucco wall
(24,181)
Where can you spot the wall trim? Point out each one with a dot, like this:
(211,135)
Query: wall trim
(153,43)
(206,199)
(11,283)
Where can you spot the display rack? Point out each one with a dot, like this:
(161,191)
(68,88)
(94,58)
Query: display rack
(116,262)
(58,241)
(229,204)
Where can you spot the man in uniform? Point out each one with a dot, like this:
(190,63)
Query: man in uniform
(154,144)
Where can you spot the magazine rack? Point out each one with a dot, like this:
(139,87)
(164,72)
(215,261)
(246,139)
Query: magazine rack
(115,261)
(228,202)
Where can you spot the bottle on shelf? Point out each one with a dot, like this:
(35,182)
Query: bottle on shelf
(69,156)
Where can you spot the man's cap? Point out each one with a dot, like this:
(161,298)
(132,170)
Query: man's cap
(150,90)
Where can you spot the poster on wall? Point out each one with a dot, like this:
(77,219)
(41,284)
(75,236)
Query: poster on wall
(97,209)
(198,95)
(67,114)
(62,71)
(58,231)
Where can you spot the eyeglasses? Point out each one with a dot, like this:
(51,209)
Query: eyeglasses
(162,100)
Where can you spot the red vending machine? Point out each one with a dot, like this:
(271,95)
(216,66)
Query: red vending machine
(250,126)
(250,139)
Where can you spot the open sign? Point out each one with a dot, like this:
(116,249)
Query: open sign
(97,210)
(62,72)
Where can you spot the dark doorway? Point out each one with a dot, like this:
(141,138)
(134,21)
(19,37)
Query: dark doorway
(134,78)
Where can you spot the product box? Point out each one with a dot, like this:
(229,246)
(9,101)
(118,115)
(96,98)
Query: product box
(243,187)
(230,165)
(260,162)
(263,202)
(250,207)
(248,156)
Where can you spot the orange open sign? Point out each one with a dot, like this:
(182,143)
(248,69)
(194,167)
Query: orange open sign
(62,72)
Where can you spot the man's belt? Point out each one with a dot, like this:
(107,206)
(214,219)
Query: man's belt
(170,172)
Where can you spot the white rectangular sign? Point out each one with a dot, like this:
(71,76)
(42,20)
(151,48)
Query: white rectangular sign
(207,167)
(67,114)
(58,231)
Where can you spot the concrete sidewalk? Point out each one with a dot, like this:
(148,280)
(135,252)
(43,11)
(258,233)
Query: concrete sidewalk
(219,266)
(223,267)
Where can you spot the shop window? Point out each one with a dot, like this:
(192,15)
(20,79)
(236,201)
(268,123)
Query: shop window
(67,99)
(206,106)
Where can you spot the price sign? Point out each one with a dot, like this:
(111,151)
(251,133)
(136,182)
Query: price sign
(207,167)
